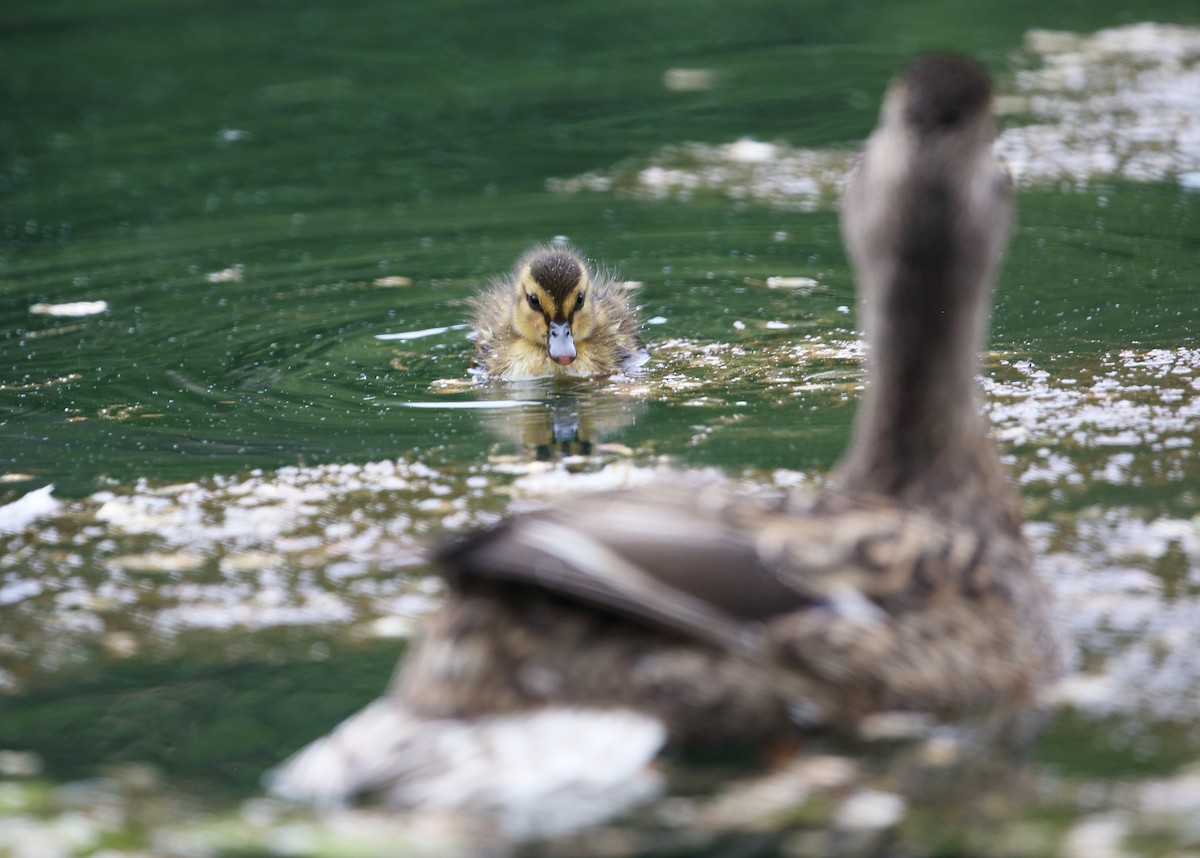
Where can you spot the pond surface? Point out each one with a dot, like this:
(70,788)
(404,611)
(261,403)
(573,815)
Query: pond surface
(237,248)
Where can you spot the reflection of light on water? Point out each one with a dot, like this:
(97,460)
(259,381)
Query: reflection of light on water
(465,406)
(417,335)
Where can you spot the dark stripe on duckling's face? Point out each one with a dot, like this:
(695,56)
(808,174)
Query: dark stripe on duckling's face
(562,281)
(558,273)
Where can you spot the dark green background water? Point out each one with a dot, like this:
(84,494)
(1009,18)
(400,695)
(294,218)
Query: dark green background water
(414,139)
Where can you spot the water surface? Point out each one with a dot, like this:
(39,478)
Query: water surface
(249,462)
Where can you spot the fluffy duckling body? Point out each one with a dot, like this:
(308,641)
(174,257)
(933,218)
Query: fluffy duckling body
(555,315)
(686,614)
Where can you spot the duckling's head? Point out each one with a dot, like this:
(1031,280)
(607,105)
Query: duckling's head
(551,307)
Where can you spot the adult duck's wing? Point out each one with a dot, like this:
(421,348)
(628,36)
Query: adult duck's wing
(713,563)
(661,554)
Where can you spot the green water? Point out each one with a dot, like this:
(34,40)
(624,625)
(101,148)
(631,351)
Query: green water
(318,147)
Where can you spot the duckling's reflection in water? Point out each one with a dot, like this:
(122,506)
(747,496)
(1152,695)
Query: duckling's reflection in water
(566,419)
(567,439)
(580,639)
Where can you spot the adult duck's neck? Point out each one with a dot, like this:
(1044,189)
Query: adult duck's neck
(925,218)
(920,435)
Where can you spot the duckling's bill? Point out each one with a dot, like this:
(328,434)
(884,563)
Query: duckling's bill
(561,344)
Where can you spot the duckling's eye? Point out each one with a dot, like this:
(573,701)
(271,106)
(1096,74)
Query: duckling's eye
(579,301)
(534,302)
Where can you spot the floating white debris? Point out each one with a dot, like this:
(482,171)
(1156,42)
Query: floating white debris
(594,181)
(891,726)
(656,320)
(747,151)
(417,335)
(294,546)
(232,274)
(871,810)
(306,545)
(120,644)
(802,285)
(689,80)
(1083,690)
(776,326)
(1122,102)
(554,481)
(393,280)
(160,563)
(74,308)
(452,385)
(1101,835)
(391,627)
(763,801)
(1178,795)
(1119,102)
(24,511)
(20,764)
(803,179)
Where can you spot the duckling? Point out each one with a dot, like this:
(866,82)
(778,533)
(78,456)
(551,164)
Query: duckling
(681,615)
(555,315)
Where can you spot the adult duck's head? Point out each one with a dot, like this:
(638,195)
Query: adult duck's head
(927,215)
(551,306)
